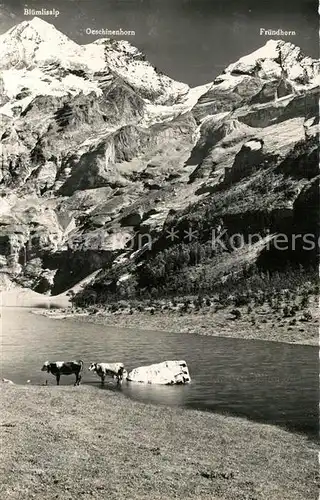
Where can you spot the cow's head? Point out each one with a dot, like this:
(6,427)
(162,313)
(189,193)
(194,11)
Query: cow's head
(122,373)
(45,367)
(92,367)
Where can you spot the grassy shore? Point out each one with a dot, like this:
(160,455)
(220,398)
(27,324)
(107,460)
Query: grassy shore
(261,323)
(66,443)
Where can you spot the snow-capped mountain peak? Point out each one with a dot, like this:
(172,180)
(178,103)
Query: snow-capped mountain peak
(37,29)
(275,59)
(33,42)
(38,45)
(131,64)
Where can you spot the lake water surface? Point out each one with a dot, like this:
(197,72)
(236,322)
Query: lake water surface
(264,381)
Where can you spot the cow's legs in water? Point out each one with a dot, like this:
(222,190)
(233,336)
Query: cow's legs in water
(78,379)
(58,378)
(102,378)
(120,376)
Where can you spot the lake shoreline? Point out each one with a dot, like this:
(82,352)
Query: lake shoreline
(56,449)
(203,324)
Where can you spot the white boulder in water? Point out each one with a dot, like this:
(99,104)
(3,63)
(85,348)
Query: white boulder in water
(165,373)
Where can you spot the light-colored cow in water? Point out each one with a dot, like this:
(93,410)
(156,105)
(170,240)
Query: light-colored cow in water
(115,370)
(59,368)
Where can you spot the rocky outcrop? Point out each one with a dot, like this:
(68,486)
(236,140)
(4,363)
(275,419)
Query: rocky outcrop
(214,134)
(247,161)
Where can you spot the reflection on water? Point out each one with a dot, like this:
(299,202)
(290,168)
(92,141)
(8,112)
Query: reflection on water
(264,381)
(170,395)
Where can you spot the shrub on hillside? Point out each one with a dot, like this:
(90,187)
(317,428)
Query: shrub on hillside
(286,312)
(241,300)
(307,316)
(236,313)
(114,308)
(304,302)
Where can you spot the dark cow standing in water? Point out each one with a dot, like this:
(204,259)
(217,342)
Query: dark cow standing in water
(59,368)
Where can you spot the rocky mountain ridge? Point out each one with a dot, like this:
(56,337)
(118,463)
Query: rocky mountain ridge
(100,148)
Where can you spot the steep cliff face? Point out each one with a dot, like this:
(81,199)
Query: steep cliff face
(101,152)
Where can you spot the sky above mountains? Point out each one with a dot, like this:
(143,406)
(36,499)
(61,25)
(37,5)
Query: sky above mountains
(190,40)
